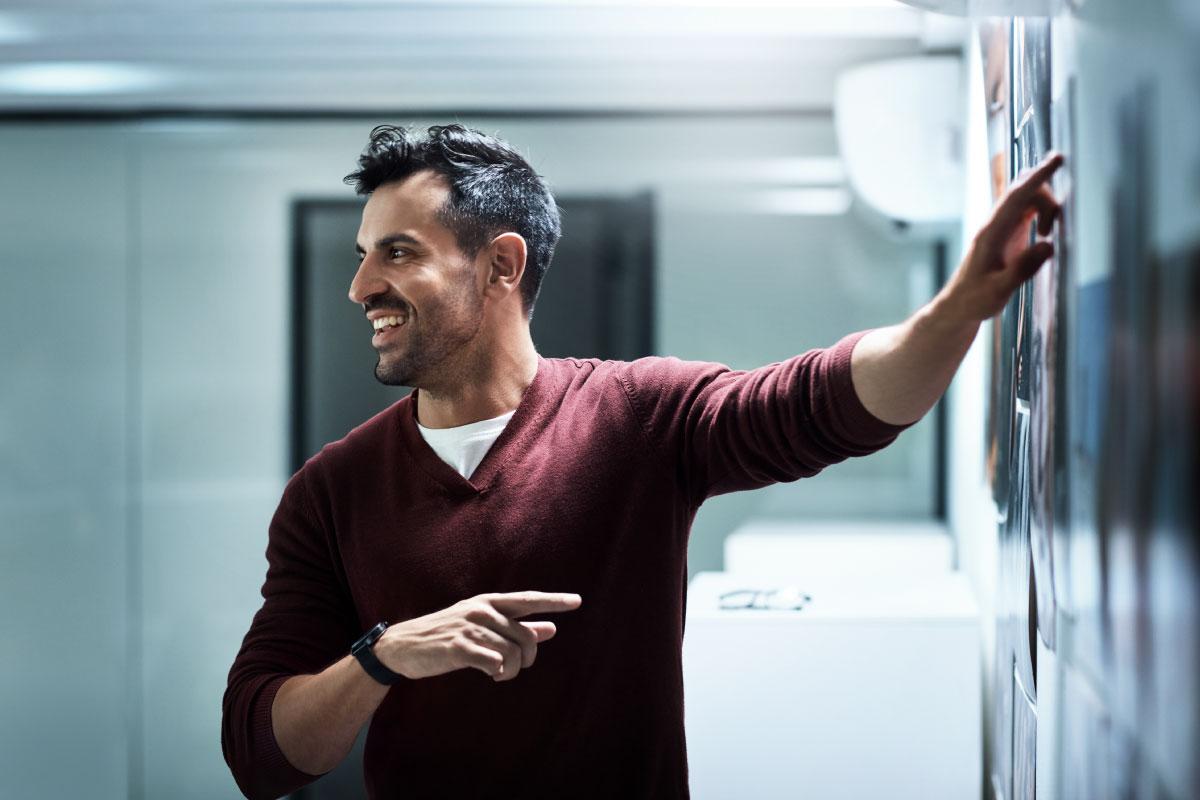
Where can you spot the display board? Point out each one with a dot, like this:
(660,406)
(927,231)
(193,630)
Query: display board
(1093,449)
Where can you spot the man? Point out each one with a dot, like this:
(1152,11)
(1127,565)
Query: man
(509,486)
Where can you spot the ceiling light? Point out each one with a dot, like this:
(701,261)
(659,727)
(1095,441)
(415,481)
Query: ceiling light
(79,77)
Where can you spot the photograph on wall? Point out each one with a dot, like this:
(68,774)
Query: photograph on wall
(1043,341)
(1024,741)
(1001,749)
(1003,404)
(1016,561)
(1014,634)
(1032,88)
(1017,584)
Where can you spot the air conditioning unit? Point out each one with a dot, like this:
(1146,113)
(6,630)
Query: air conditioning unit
(900,127)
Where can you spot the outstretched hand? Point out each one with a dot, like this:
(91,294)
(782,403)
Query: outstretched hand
(1003,254)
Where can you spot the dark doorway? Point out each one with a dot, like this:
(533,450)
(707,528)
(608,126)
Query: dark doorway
(596,300)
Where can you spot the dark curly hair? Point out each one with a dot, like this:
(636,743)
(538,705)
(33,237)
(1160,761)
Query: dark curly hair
(493,189)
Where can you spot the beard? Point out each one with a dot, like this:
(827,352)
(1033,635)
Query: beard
(434,344)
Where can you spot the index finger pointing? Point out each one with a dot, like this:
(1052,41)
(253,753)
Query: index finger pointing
(518,604)
(1031,180)
(1023,194)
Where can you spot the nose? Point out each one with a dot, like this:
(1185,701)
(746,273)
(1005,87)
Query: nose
(366,283)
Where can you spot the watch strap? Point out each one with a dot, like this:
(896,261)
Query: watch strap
(364,652)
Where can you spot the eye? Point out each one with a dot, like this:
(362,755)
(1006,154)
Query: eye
(392,252)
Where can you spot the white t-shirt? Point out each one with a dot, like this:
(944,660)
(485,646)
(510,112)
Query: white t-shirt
(465,446)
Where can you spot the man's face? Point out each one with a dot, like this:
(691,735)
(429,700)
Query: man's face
(412,270)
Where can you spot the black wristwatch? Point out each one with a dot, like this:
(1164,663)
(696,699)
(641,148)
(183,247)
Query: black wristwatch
(366,656)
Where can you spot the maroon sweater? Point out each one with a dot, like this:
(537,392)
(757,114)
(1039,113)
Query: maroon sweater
(591,488)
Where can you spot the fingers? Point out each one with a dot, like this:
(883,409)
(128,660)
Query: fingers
(518,604)
(1048,209)
(512,644)
(513,656)
(1031,179)
(484,659)
(513,640)
(543,630)
(1030,191)
(1032,259)
(518,655)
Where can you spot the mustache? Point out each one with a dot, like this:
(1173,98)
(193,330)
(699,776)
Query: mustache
(386,303)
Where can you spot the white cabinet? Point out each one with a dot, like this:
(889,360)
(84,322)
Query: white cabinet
(871,691)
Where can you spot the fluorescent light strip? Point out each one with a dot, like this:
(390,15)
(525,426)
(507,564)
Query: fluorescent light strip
(78,78)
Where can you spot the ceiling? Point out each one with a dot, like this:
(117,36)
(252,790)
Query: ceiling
(368,55)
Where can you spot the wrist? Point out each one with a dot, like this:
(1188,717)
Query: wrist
(367,651)
(390,648)
(947,318)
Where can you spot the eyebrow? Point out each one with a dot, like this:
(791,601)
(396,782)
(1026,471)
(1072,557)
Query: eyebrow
(390,239)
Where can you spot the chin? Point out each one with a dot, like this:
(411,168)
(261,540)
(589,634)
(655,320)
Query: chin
(394,372)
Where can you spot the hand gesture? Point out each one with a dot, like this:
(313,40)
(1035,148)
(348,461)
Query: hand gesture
(480,632)
(1003,254)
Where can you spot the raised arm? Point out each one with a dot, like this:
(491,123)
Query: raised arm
(900,371)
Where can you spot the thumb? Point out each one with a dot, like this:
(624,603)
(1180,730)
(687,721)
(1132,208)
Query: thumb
(542,630)
(1032,259)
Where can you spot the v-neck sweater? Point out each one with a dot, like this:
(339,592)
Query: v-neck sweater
(591,488)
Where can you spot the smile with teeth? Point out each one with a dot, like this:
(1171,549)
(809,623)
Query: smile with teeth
(386,323)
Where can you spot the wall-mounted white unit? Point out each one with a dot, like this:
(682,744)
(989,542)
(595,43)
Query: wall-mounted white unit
(900,131)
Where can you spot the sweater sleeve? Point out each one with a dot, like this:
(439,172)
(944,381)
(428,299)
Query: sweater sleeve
(306,622)
(726,430)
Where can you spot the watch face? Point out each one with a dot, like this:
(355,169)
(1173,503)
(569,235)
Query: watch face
(369,638)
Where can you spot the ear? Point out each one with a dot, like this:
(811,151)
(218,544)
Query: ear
(506,263)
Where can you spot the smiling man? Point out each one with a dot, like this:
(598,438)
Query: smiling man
(404,558)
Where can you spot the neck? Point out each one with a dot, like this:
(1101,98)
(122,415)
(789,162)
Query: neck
(491,384)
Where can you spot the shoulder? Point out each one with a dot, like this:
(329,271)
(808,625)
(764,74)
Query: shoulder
(656,389)
(362,444)
(648,369)
(649,374)
(667,376)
